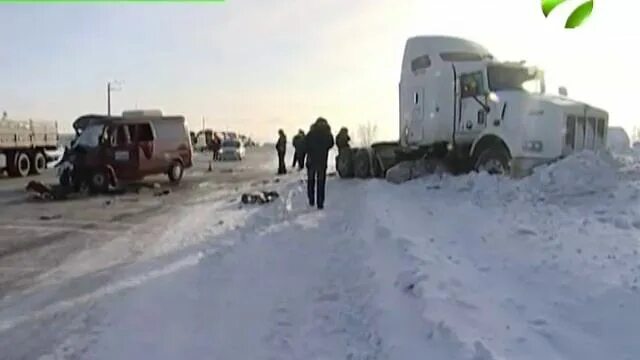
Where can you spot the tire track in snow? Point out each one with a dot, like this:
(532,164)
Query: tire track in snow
(336,317)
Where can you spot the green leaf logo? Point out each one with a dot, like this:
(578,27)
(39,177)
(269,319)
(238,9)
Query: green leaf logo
(577,17)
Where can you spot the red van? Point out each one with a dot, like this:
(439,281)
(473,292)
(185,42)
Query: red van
(115,149)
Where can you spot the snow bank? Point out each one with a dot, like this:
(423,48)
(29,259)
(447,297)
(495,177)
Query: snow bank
(583,173)
(510,269)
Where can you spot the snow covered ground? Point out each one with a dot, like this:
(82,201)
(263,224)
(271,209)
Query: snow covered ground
(471,267)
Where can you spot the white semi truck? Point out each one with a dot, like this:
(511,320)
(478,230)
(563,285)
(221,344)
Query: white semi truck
(23,145)
(460,104)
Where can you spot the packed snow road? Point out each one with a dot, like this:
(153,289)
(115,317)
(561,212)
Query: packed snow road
(472,267)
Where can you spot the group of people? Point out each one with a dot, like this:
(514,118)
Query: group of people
(312,148)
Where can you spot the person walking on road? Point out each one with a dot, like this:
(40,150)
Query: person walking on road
(318,142)
(216,146)
(281,147)
(299,154)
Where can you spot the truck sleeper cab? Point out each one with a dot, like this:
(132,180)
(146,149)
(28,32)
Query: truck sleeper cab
(110,150)
(495,115)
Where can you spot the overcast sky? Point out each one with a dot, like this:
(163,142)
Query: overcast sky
(257,65)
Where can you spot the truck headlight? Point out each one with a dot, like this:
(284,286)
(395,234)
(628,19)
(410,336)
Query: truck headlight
(533,146)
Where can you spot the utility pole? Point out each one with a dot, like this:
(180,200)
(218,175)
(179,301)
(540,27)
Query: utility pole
(108,99)
(111,88)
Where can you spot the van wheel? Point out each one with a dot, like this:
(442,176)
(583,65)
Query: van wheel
(39,163)
(99,181)
(494,160)
(175,172)
(20,164)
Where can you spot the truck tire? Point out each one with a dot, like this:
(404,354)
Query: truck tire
(176,171)
(344,164)
(361,163)
(19,165)
(375,165)
(38,163)
(495,160)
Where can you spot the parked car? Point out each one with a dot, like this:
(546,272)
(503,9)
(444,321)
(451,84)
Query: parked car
(232,150)
(110,150)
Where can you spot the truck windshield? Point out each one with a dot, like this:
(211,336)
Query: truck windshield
(508,77)
(90,136)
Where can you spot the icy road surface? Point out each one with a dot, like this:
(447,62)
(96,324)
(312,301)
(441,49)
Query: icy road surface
(473,267)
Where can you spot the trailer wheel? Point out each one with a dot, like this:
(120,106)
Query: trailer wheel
(38,163)
(495,160)
(20,164)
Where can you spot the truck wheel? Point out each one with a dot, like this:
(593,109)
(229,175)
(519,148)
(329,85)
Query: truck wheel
(99,181)
(494,160)
(38,163)
(344,163)
(376,167)
(176,171)
(20,165)
(361,162)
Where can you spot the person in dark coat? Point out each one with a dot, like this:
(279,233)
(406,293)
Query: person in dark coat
(281,147)
(318,142)
(216,146)
(342,139)
(298,145)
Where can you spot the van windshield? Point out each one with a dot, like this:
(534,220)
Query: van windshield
(90,136)
(509,77)
(231,143)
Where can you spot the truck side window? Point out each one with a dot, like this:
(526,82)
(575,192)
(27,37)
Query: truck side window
(471,84)
(144,132)
(460,56)
(420,63)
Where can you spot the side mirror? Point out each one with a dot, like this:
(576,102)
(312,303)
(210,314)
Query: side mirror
(563,91)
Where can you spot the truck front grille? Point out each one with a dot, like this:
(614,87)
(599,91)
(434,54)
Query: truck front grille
(584,133)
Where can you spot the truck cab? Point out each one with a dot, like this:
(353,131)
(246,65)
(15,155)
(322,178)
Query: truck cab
(454,93)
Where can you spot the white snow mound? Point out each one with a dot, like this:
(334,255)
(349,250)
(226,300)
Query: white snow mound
(580,174)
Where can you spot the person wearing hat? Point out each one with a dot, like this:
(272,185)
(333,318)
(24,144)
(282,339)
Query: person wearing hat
(281,148)
(318,142)
(298,146)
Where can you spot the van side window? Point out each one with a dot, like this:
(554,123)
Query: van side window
(122,137)
(144,132)
(118,136)
(133,134)
(420,63)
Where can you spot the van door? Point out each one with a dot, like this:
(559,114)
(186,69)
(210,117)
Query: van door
(123,154)
(472,115)
(145,145)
